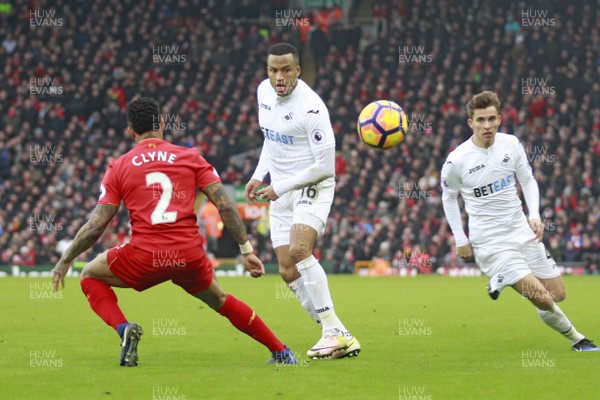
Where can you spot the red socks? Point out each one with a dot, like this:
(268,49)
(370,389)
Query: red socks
(103,301)
(245,319)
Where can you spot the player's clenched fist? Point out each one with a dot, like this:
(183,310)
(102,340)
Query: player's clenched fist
(250,190)
(538,228)
(254,265)
(465,252)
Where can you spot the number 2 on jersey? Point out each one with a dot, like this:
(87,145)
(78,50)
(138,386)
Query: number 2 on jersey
(159,215)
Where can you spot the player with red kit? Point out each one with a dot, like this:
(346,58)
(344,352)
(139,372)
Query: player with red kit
(157,181)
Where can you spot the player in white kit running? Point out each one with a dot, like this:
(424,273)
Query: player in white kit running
(506,246)
(299,153)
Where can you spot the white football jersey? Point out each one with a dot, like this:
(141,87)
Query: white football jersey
(294,127)
(486,180)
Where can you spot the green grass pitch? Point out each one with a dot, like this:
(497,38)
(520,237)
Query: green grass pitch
(424,338)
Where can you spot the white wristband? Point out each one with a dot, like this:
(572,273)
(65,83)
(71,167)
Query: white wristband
(246,248)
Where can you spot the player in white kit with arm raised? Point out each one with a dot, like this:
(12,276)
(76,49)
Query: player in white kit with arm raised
(506,246)
(299,153)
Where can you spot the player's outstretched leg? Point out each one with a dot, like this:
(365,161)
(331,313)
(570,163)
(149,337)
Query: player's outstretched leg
(531,288)
(246,320)
(96,282)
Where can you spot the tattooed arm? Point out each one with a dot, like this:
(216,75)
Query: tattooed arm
(88,235)
(90,232)
(231,218)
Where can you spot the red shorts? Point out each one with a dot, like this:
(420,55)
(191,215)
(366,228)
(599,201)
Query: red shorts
(140,269)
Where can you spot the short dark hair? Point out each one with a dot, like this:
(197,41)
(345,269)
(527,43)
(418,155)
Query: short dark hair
(143,115)
(281,49)
(483,100)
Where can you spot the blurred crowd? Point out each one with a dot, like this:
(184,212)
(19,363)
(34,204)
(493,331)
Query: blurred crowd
(68,73)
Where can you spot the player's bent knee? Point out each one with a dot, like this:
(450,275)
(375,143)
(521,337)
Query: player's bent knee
(556,288)
(212,296)
(220,301)
(84,274)
(87,272)
(299,252)
(214,302)
(97,268)
(559,296)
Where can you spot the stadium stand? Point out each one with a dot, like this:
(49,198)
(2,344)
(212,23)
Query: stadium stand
(66,82)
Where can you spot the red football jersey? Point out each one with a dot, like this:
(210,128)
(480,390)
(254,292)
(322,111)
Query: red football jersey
(157,180)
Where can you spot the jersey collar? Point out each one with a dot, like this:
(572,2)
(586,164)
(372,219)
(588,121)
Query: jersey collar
(489,149)
(150,141)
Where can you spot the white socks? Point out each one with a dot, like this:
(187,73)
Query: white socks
(557,320)
(315,283)
(297,286)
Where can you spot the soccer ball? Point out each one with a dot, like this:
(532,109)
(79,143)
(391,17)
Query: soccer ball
(382,124)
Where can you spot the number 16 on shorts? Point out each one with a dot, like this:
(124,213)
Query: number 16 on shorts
(309,192)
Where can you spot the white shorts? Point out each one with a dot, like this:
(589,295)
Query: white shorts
(508,262)
(309,206)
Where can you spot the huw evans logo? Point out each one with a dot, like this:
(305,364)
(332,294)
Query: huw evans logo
(44,359)
(418,125)
(540,154)
(167,259)
(537,87)
(172,123)
(168,55)
(413,393)
(536,359)
(167,393)
(44,155)
(167,327)
(44,223)
(44,291)
(413,327)
(414,55)
(45,87)
(44,19)
(414,258)
(413,190)
(537,19)
(290,19)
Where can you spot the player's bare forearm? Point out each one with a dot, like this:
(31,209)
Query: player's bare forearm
(91,231)
(227,210)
